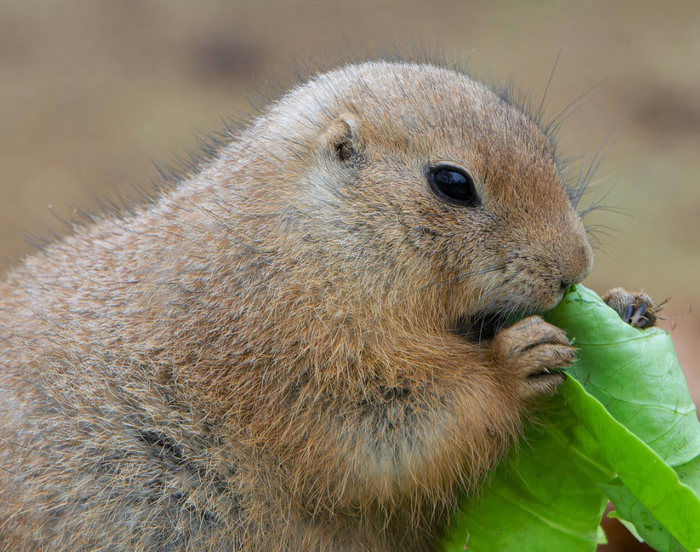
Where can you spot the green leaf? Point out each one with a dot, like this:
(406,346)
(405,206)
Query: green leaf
(629,526)
(634,373)
(634,419)
(628,507)
(648,478)
(543,498)
(602,539)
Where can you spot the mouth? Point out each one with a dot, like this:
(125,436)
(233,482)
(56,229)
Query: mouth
(548,375)
(480,327)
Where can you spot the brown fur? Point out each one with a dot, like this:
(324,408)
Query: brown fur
(265,359)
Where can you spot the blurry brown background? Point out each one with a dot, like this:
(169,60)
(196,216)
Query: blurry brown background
(93,92)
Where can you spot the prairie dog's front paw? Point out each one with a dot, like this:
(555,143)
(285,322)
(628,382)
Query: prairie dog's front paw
(637,308)
(535,351)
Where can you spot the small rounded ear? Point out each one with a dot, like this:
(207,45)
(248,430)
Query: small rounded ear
(341,138)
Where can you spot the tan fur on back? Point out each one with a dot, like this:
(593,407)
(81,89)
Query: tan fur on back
(264,359)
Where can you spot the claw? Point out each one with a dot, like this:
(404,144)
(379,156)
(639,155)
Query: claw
(639,316)
(627,314)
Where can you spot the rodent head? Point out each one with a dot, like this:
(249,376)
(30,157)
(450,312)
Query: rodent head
(421,187)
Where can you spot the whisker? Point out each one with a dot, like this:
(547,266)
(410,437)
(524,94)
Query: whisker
(538,114)
(466,275)
(491,297)
(598,205)
(577,189)
(486,314)
(557,121)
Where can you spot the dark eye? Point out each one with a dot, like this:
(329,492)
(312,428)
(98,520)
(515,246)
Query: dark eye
(453,184)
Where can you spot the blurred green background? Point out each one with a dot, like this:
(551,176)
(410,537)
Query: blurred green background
(93,92)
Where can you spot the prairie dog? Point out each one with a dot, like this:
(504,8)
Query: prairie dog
(303,346)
